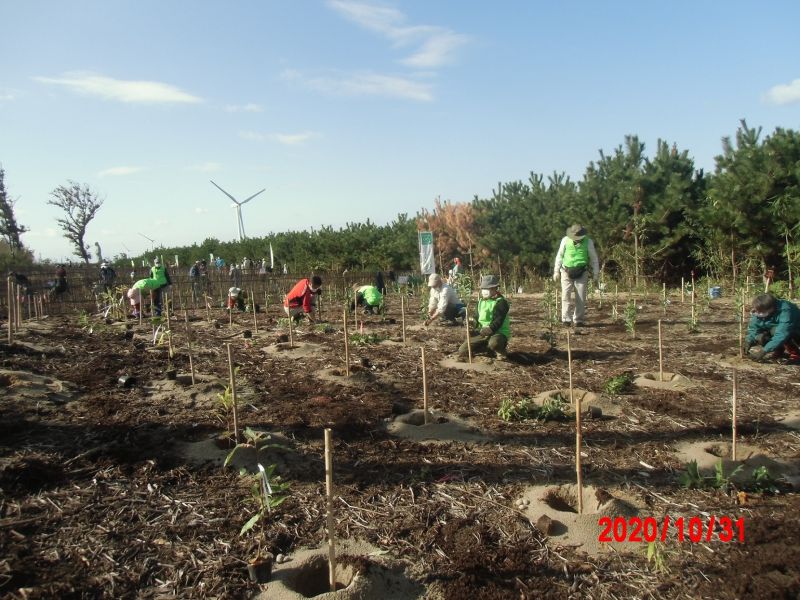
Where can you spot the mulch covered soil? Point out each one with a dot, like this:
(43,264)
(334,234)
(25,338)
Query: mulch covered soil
(99,499)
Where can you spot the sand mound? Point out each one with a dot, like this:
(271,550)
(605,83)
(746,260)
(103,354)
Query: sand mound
(305,575)
(708,454)
(296,350)
(608,407)
(671,381)
(481,364)
(441,428)
(21,386)
(204,394)
(277,449)
(559,504)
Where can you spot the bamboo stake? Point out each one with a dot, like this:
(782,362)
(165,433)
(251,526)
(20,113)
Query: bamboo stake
(166,309)
(424,387)
(660,354)
(208,308)
(683,290)
(230,314)
(189,345)
(664,296)
(466,323)
(18,300)
(253,304)
(741,329)
(232,375)
(346,346)
(577,405)
(330,520)
(10,312)
(291,330)
(733,418)
(403,314)
(266,303)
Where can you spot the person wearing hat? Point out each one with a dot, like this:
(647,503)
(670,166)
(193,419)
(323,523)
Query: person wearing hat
(774,329)
(107,277)
(235,299)
(301,299)
(161,279)
(367,296)
(443,302)
(575,256)
(491,325)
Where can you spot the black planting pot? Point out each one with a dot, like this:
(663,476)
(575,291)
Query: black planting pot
(172,374)
(260,569)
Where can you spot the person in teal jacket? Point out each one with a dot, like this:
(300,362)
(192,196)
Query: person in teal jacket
(491,327)
(774,329)
(369,297)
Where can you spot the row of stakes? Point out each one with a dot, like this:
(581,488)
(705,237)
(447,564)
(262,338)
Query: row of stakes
(15,318)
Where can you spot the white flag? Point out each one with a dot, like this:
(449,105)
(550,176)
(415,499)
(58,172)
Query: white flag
(271,257)
(427,263)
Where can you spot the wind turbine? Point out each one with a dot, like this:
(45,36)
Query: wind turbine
(238,205)
(152,241)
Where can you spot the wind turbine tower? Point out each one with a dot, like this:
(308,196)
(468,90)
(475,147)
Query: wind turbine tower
(238,206)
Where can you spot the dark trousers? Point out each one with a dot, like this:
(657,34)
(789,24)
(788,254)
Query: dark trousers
(492,345)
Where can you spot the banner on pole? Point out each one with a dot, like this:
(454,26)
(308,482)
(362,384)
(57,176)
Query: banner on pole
(427,262)
(271,257)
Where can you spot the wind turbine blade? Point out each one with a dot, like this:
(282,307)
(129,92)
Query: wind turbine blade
(253,196)
(224,192)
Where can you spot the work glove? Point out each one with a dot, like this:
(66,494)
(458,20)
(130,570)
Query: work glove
(748,345)
(757,354)
(556,276)
(486,331)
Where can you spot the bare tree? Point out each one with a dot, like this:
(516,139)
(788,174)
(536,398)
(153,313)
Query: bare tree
(80,205)
(10,230)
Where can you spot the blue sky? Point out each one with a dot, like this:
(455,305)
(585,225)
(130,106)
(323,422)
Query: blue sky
(347,110)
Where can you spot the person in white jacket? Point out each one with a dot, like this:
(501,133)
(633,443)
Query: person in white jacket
(444,301)
(576,255)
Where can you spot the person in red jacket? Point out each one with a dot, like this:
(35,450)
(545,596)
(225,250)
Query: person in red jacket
(301,299)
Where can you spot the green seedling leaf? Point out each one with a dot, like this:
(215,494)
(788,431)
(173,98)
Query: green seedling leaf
(250,523)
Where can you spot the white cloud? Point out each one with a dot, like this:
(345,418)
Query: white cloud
(292,139)
(366,84)
(250,107)
(200,211)
(7,95)
(48,232)
(144,92)
(119,171)
(289,139)
(207,167)
(437,45)
(253,136)
(784,93)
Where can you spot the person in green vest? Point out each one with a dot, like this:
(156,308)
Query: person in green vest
(491,326)
(774,330)
(576,254)
(161,279)
(369,297)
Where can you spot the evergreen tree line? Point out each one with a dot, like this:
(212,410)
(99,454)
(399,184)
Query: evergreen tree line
(652,216)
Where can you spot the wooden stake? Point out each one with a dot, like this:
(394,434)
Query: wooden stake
(660,354)
(346,346)
(683,290)
(291,330)
(253,305)
(403,314)
(208,308)
(424,387)
(733,418)
(466,324)
(189,345)
(18,300)
(741,330)
(166,309)
(330,520)
(230,313)
(577,405)
(232,375)
(664,296)
(10,312)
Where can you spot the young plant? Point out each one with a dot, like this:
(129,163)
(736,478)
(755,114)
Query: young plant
(266,492)
(656,555)
(619,384)
(630,317)
(365,339)
(525,409)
